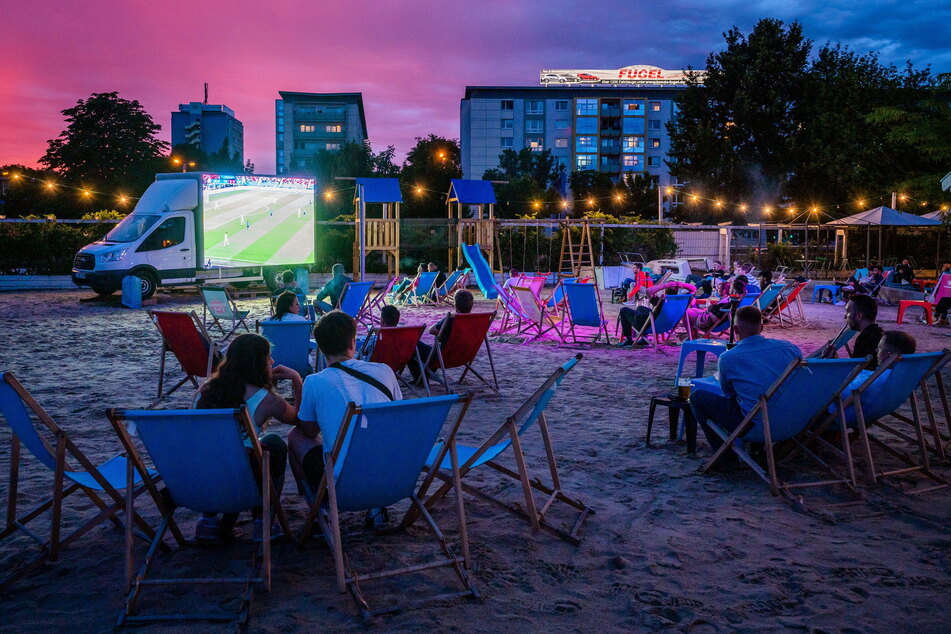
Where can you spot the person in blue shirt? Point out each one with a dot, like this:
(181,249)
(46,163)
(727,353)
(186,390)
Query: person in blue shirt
(332,290)
(892,343)
(746,371)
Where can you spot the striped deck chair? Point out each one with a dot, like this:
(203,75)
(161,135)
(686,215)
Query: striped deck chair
(218,304)
(467,333)
(788,301)
(453,283)
(184,335)
(512,433)
(583,309)
(101,484)
(355,301)
(290,343)
(512,314)
(395,347)
(377,462)
(425,290)
(672,314)
(536,319)
(223,481)
(796,400)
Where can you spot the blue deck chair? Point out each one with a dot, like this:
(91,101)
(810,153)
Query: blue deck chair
(512,433)
(218,304)
(583,308)
(454,282)
(723,326)
(290,343)
(425,289)
(831,349)
(765,301)
(223,480)
(796,400)
(558,293)
(671,314)
(376,461)
(355,301)
(101,484)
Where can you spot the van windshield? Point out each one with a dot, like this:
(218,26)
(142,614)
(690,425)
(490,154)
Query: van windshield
(131,228)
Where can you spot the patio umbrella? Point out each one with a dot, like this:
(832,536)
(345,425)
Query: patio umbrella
(883,217)
(936,215)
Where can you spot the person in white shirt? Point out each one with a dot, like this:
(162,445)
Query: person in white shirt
(326,396)
(287,308)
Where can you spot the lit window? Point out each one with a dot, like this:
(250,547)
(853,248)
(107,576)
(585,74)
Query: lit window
(586,107)
(561,143)
(505,142)
(633,107)
(536,144)
(561,105)
(336,127)
(535,107)
(631,162)
(655,106)
(508,124)
(508,104)
(333,146)
(534,126)
(304,127)
(632,143)
(653,125)
(655,142)
(586,144)
(585,161)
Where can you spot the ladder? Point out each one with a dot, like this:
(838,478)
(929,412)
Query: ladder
(578,259)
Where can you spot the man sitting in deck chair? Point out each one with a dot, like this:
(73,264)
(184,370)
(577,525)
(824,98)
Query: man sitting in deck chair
(860,315)
(463,301)
(746,372)
(441,278)
(327,394)
(892,343)
(332,290)
(289,284)
(633,320)
(389,318)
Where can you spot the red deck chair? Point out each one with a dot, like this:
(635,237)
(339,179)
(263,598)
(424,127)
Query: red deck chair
(786,304)
(396,346)
(467,333)
(185,336)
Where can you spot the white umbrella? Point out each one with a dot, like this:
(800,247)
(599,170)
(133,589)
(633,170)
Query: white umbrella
(883,217)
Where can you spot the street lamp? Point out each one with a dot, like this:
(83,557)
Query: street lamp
(185,164)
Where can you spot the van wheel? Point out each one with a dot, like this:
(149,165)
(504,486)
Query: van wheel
(149,283)
(272,277)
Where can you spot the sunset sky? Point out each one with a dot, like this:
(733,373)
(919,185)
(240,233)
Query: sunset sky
(411,60)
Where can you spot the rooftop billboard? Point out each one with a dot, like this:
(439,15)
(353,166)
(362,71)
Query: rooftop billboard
(628,76)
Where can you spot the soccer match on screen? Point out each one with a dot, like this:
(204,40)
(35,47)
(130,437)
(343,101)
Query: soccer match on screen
(257,220)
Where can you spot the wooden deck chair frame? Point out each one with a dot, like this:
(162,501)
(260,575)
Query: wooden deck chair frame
(566,319)
(792,300)
(919,439)
(61,451)
(364,313)
(166,348)
(512,315)
(399,375)
(238,317)
(378,302)
(458,284)
(436,357)
(260,567)
(537,320)
(770,475)
(655,336)
(324,511)
(534,511)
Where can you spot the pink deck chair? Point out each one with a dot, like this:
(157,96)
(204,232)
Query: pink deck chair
(536,320)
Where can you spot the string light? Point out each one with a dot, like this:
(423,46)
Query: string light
(719,204)
(328,194)
(564,204)
(619,197)
(50,185)
(87,193)
(419,190)
(591,202)
(536,205)
(742,207)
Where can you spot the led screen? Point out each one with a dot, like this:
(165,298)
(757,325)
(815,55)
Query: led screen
(257,220)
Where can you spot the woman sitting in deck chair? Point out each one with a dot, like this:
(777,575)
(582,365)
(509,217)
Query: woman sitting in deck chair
(633,320)
(287,307)
(705,320)
(246,378)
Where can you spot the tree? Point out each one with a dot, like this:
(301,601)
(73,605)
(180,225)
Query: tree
(109,143)
(638,196)
(353,159)
(734,133)
(531,176)
(595,189)
(427,170)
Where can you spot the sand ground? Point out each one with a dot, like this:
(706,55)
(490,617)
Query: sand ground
(667,547)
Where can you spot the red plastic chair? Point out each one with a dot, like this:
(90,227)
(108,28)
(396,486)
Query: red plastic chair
(185,336)
(396,346)
(467,333)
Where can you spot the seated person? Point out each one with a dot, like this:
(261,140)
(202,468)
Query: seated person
(717,269)
(289,284)
(633,319)
(765,279)
(332,290)
(326,396)
(389,318)
(407,284)
(904,273)
(704,320)
(746,371)
(752,285)
(246,377)
(287,308)
(868,285)
(640,281)
(860,315)
(463,301)
(513,278)
(893,343)
(440,278)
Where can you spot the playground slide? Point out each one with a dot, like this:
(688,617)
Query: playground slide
(483,273)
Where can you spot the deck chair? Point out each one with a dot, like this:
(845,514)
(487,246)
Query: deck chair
(583,308)
(290,343)
(672,314)
(184,336)
(512,433)
(840,341)
(355,301)
(425,290)
(512,314)
(557,297)
(379,300)
(536,319)
(722,326)
(453,283)
(396,347)
(796,400)
(218,304)
(765,301)
(223,481)
(101,484)
(467,333)
(376,461)
(787,302)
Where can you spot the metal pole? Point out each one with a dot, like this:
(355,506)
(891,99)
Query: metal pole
(363,233)
(660,204)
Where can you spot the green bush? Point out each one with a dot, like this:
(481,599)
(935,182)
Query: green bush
(44,248)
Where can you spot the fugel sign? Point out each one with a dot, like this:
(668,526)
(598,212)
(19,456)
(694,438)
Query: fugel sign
(639,75)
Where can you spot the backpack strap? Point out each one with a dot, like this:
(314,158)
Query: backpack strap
(366,378)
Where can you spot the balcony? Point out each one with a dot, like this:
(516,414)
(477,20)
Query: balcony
(613,112)
(610,131)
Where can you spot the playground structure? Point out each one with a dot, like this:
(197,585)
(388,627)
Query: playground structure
(478,197)
(380,235)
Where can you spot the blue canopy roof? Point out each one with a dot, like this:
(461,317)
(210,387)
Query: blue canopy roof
(471,192)
(380,190)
